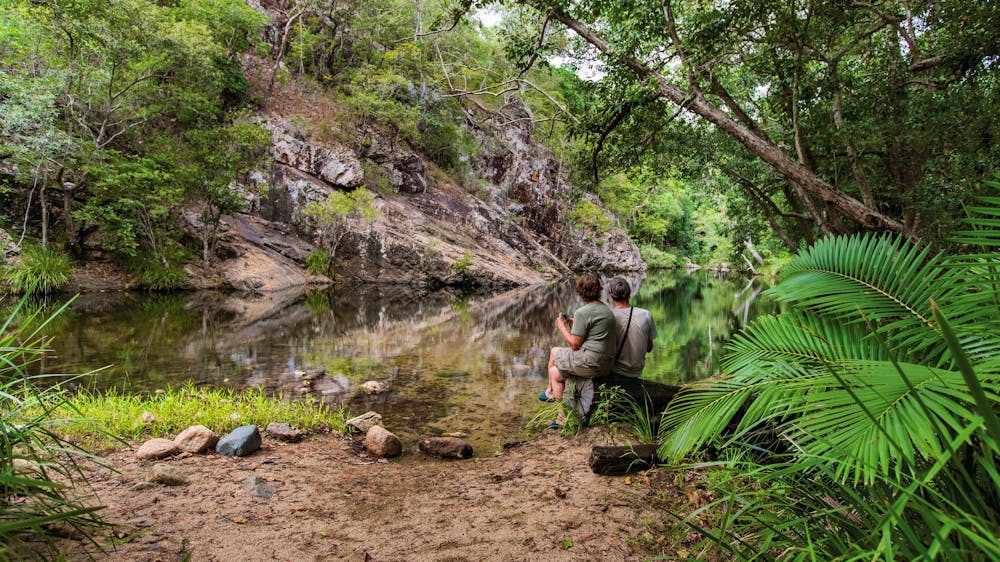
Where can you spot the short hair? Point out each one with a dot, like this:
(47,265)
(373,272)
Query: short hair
(619,289)
(588,286)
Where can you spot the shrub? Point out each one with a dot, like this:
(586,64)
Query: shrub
(41,270)
(318,262)
(462,265)
(587,215)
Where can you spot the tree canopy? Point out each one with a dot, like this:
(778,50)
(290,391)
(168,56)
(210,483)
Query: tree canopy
(825,116)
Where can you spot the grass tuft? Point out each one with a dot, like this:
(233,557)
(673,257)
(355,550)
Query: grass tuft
(102,420)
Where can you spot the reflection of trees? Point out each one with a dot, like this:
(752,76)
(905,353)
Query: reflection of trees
(695,314)
(452,361)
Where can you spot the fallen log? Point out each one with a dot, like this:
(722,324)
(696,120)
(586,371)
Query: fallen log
(659,394)
(615,460)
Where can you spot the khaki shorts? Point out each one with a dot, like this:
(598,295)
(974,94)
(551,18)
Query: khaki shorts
(582,363)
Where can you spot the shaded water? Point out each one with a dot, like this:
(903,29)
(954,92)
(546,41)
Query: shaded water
(453,363)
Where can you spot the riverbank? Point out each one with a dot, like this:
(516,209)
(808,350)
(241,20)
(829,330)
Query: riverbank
(536,500)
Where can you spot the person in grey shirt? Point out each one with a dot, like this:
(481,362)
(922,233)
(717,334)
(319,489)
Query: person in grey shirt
(636,330)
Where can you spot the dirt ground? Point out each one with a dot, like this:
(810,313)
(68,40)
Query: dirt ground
(537,500)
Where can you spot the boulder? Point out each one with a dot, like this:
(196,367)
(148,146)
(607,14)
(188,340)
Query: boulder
(241,442)
(365,421)
(381,442)
(258,487)
(196,439)
(157,449)
(166,475)
(283,432)
(445,447)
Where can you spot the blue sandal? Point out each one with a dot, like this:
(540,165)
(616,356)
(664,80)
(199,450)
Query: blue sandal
(554,425)
(545,398)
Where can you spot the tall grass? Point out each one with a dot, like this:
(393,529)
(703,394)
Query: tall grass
(617,409)
(101,418)
(38,465)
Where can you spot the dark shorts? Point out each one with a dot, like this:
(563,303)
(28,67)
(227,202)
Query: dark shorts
(582,363)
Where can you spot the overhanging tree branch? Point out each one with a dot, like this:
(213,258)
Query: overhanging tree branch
(794,171)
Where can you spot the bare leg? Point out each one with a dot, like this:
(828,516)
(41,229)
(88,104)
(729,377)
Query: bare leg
(557,383)
(552,365)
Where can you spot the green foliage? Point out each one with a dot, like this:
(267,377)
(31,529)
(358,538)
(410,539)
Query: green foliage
(882,385)
(333,214)
(614,408)
(134,201)
(41,270)
(123,105)
(588,216)
(572,424)
(318,262)
(38,465)
(656,258)
(461,265)
(159,277)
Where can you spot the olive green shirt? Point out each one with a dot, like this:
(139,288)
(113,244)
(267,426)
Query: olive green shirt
(595,323)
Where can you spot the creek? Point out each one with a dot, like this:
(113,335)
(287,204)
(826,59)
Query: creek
(472,364)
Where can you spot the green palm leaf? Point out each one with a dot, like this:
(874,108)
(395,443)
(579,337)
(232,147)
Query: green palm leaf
(883,280)
(874,421)
(799,337)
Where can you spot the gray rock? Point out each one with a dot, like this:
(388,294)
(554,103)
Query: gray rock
(157,449)
(365,421)
(445,447)
(380,442)
(258,487)
(166,475)
(241,442)
(196,439)
(283,432)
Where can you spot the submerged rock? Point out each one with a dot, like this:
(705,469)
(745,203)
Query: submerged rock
(157,449)
(196,439)
(445,447)
(381,442)
(374,387)
(241,442)
(365,421)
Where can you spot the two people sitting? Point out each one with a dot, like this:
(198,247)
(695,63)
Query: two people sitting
(601,340)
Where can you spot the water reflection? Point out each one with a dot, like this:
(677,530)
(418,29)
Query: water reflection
(453,363)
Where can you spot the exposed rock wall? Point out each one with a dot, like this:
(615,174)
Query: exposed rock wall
(515,229)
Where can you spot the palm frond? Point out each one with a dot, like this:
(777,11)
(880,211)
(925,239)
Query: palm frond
(798,337)
(880,417)
(887,281)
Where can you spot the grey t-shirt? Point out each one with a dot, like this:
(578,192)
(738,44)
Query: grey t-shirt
(641,333)
(595,323)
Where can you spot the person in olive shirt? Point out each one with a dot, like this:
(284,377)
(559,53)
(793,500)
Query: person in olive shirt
(591,334)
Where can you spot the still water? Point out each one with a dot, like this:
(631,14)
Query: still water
(452,362)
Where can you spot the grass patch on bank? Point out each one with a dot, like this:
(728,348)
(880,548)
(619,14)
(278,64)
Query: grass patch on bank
(103,420)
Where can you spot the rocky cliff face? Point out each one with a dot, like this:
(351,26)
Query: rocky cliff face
(512,229)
